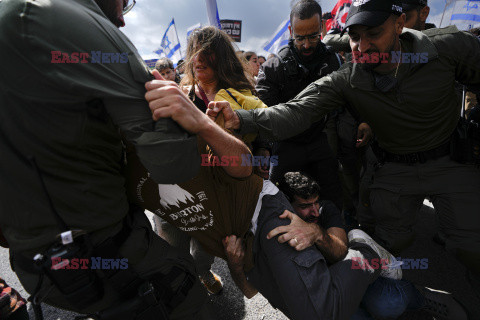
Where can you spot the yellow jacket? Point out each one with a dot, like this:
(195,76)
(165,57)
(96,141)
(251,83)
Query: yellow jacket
(242,99)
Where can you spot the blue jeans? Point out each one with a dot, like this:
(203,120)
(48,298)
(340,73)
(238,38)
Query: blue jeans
(388,299)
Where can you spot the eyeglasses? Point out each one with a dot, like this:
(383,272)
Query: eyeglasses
(128,7)
(313,38)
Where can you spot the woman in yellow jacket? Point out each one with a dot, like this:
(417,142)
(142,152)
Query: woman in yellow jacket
(213,72)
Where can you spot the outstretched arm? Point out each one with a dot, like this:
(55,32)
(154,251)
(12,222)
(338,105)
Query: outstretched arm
(286,120)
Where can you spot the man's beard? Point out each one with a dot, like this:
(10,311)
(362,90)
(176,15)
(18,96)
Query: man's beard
(371,66)
(418,25)
(310,56)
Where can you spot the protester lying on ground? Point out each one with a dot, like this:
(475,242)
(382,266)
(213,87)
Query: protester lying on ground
(319,223)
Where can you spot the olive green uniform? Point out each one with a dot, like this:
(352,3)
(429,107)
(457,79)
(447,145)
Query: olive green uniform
(337,42)
(66,116)
(418,115)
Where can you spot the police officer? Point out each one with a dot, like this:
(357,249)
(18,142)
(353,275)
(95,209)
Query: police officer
(416,12)
(412,107)
(70,80)
(303,61)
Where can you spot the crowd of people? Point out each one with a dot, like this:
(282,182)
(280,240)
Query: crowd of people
(304,171)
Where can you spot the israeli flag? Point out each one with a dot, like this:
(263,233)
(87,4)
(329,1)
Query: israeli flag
(193,28)
(280,38)
(170,45)
(212,12)
(466,14)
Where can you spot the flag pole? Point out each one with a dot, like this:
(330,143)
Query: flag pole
(180,48)
(453,10)
(445,9)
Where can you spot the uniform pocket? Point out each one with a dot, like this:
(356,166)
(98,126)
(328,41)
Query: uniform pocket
(313,270)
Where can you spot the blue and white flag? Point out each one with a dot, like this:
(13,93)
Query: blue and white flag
(170,45)
(212,12)
(466,14)
(192,28)
(279,39)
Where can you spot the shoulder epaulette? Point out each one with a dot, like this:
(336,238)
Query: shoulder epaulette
(440,31)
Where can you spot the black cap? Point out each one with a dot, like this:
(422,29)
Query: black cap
(371,13)
(408,5)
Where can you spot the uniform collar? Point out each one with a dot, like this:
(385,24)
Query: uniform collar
(417,40)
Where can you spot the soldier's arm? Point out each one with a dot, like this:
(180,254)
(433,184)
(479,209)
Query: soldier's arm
(168,101)
(289,119)
(268,86)
(463,50)
(468,70)
(338,42)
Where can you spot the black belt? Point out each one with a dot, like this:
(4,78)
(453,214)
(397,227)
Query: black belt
(126,281)
(27,264)
(418,157)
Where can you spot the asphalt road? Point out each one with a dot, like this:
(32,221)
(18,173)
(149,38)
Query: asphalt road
(443,273)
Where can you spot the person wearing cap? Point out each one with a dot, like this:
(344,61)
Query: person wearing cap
(416,12)
(413,109)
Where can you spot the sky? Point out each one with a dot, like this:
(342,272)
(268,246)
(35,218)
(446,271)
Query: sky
(147,22)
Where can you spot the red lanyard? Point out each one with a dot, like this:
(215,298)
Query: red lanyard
(204,96)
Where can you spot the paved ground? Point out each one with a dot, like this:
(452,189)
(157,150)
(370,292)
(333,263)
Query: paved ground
(443,272)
